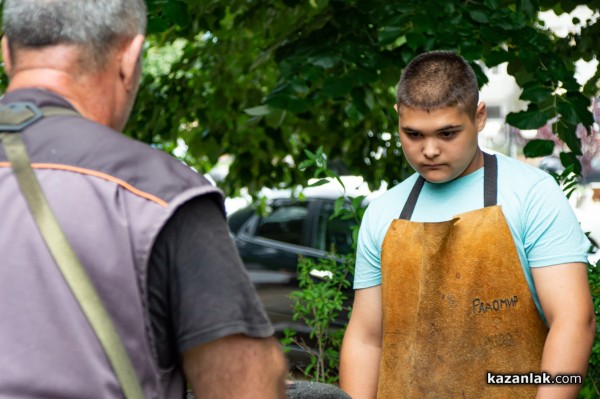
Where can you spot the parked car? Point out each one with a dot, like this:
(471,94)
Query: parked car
(270,246)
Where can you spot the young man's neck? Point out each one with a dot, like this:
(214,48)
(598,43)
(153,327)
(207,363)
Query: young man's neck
(476,163)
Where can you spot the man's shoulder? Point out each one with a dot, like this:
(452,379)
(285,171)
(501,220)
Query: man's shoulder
(87,147)
(146,167)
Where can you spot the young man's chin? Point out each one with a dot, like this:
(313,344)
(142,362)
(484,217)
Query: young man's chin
(436,176)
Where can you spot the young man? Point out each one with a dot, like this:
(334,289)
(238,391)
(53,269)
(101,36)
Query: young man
(150,232)
(458,266)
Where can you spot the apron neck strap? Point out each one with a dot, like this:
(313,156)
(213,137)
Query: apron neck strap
(490,187)
(490,180)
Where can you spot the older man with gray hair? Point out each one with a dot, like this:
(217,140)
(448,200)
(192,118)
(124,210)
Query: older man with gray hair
(118,276)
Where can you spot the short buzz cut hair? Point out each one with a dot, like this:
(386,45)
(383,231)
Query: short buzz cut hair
(97,26)
(438,79)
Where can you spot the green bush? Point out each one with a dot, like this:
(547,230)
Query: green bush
(591,385)
(319,301)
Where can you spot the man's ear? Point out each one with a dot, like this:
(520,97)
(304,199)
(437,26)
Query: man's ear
(480,116)
(130,62)
(6,56)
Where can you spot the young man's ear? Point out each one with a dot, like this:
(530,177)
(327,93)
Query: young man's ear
(480,116)
(130,62)
(6,56)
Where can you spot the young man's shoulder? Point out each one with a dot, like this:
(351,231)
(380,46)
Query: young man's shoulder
(514,174)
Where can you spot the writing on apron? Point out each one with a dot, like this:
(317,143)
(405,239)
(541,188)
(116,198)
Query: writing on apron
(495,305)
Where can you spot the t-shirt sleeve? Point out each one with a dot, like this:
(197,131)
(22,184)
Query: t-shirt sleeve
(367,271)
(553,235)
(199,290)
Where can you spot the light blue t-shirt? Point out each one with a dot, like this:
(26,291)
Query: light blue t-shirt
(543,225)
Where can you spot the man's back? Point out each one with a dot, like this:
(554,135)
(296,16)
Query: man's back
(111,196)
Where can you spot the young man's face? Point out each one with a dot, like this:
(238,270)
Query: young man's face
(441,144)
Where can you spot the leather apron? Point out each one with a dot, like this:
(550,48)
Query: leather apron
(456,305)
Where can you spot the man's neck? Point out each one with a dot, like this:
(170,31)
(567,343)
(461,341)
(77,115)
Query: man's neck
(61,69)
(86,93)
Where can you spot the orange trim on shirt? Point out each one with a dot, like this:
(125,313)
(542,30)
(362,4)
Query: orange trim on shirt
(101,175)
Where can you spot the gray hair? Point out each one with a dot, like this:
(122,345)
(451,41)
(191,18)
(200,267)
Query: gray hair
(96,25)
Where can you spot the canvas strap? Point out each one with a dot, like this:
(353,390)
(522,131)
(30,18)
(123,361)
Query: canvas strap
(13,118)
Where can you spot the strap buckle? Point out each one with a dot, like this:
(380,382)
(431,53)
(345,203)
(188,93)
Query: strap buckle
(15,117)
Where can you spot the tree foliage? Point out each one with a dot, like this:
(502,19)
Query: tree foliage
(264,80)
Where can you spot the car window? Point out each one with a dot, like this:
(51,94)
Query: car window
(336,233)
(284,222)
(237,219)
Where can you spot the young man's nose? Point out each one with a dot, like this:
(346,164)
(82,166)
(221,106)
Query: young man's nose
(430,149)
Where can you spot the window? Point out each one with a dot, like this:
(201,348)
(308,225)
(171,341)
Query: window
(333,233)
(285,223)
(494,112)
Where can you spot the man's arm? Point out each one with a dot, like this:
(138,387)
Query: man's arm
(565,297)
(236,366)
(361,349)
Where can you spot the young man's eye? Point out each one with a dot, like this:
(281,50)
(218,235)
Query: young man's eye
(413,135)
(447,135)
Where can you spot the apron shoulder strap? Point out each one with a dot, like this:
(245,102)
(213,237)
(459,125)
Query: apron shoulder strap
(411,202)
(14,117)
(490,180)
(490,187)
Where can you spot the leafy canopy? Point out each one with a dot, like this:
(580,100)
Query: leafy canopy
(264,80)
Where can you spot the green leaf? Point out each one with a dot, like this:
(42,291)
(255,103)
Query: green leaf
(497,57)
(357,201)
(157,24)
(568,133)
(526,119)
(567,111)
(581,105)
(324,61)
(538,148)
(275,118)
(389,34)
(570,159)
(177,12)
(337,207)
(318,183)
(415,40)
(521,73)
(258,111)
(479,16)
(305,164)
(527,7)
(535,92)
(288,102)
(471,51)
(337,87)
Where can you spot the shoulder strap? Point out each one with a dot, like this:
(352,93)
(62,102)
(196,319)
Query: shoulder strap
(490,180)
(411,202)
(62,252)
